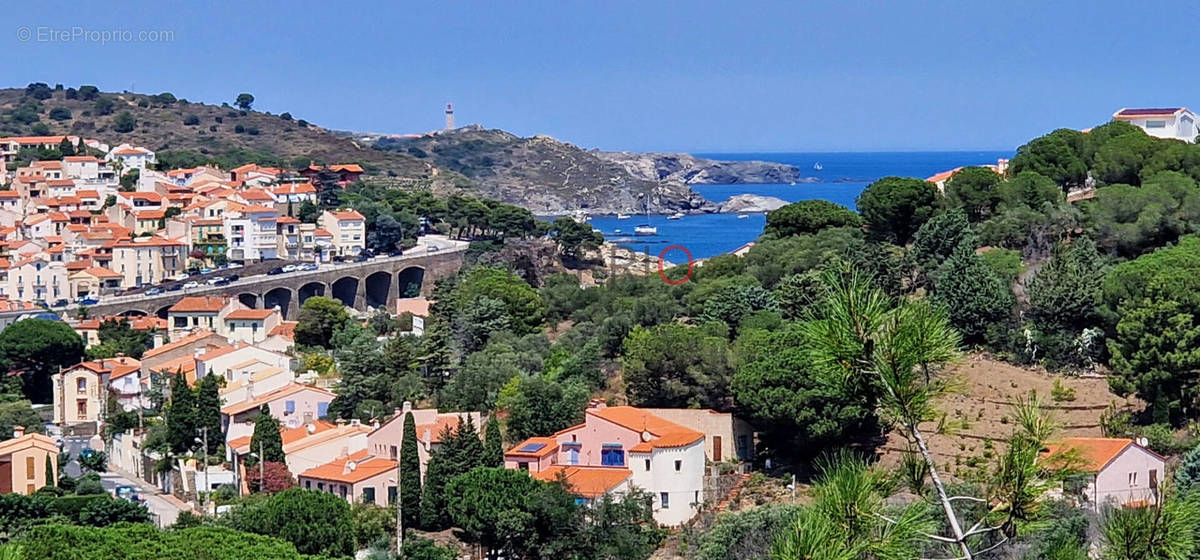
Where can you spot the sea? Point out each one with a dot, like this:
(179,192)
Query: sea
(843,175)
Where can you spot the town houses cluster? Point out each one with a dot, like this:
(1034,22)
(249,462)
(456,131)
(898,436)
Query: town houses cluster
(85,226)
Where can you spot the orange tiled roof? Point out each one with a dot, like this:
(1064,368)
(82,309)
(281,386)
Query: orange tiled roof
(1095,453)
(549,446)
(352,469)
(289,435)
(665,433)
(347,215)
(189,339)
(250,314)
(589,482)
(198,304)
(286,329)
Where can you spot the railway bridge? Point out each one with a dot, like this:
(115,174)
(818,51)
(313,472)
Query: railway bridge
(374,283)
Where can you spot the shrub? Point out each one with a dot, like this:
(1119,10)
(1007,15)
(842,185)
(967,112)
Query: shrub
(60,114)
(191,120)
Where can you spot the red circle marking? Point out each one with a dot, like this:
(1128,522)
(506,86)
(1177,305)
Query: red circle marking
(691,265)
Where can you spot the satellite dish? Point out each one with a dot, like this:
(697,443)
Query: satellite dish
(351,465)
(647,436)
(128,407)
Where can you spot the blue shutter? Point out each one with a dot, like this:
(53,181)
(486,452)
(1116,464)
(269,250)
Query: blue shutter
(322,410)
(289,407)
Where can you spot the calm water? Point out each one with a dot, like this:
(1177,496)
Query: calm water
(843,175)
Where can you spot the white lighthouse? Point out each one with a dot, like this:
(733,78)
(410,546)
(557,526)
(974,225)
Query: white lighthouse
(449,116)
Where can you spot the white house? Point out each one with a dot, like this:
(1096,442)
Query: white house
(1176,123)
(131,157)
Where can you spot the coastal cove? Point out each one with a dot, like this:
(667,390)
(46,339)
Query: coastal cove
(843,176)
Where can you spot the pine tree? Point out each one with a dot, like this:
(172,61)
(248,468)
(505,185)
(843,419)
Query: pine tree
(266,437)
(410,473)
(208,412)
(493,444)
(469,446)
(181,416)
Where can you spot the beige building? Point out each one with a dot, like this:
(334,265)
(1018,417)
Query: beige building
(726,437)
(349,231)
(147,260)
(199,312)
(23,461)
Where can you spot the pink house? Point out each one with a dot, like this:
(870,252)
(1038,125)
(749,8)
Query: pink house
(294,404)
(1120,471)
(357,478)
(621,447)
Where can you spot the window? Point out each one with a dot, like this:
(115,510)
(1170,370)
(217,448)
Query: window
(368,495)
(1132,479)
(308,485)
(81,384)
(394,452)
(523,465)
(1156,124)
(647,465)
(664,500)
(181,322)
(322,409)
(29,472)
(289,407)
(81,409)
(321,486)
(611,455)
(391,495)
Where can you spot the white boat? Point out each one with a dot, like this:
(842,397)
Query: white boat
(622,216)
(818,166)
(618,230)
(580,216)
(743,216)
(675,216)
(645,229)
(792,184)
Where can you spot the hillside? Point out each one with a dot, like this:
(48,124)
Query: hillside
(543,174)
(540,173)
(225,134)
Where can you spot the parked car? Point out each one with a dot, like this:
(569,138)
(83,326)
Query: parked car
(190,285)
(233,278)
(310,266)
(127,493)
(291,268)
(216,280)
(154,291)
(89,301)
(233,265)
(431,249)
(180,277)
(61,303)
(396,252)
(173,287)
(206,271)
(276,270)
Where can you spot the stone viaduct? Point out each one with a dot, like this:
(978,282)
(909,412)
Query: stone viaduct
(374,283)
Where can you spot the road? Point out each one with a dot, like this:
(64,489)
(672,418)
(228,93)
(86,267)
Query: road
(165,511)
(426,245)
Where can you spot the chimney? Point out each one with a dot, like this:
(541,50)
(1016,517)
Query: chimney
(407,407)
(597,404)
(341,421)
(355,422)
(18,431)
(397,412)
(158,339)
(249,390)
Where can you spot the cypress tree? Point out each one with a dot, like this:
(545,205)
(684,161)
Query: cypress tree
(181,416)
(410,473)
(208,412)
(50,480)
(266,431)
(433,497)
(493,444)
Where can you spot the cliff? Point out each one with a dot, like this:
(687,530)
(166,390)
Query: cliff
(693,170)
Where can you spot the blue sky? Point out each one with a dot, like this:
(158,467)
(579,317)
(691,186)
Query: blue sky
(644,75)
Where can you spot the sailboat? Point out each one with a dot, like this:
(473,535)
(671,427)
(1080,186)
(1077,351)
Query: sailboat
(646,228)
(817,166)
(675,216)
(622,216)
